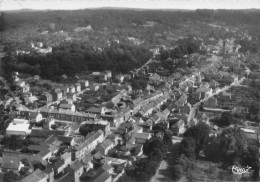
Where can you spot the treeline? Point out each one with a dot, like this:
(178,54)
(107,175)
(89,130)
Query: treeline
(231,147)
(184,46)
(74,58)
(124,18)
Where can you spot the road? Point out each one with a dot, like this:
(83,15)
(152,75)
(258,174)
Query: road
(158,177)
(195,107)
(201,70)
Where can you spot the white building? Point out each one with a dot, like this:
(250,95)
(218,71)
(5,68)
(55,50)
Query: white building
(18,129)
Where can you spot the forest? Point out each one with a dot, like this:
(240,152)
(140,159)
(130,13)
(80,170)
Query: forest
(71,59)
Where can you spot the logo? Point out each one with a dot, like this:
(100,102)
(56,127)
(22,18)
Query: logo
(240,170)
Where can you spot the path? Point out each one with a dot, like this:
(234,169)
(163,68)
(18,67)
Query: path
(158,177)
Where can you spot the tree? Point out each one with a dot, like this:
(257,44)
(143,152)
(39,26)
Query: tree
(251,157)
(176,172)
(38,165)
(2,21)
(226,119)
(152,144)
(156,155)
(159,127)
(167,138)
(10,177)
(187,147)
(228,147)
(54,126)
(14,142)
(199,133)
(110,105)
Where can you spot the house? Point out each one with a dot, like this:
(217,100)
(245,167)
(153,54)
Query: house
(105,146)
(66,157)
(147,110)
(178,128)
(22,129)
(47,97)
(185,109)
(11,166)
(30,100)
(156,118)
(92,140)
(43,156)
(65,140)
(154,77)
(70,107)
(210,103)
(74,128)
(50,173)
(84,83)
(141,138)
(72,89)
(176,139)
(35,116)
(72,96)
(56,95)
(87,162)
(181,101)
(204,89)
(240,109)
(213,84)
(36,176)
(48,122)
(66,177)
(99,175)
(116,99)
(78,87)
(65,89)
(120,78)
(59,166)
(20,83)
(94,87)
(108,74)
(76,169)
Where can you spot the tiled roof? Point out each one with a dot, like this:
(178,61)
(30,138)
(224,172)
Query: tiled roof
(90,138)
(100,177)
(10,165)
(65,139)
(44,152)
(145,136)
(68,177)
(36,176)
(33,114)
(66,106)
(107,143)
(37,147)
(87,159)
(58,164)
(76,165)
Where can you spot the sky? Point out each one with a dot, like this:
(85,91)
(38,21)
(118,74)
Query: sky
(144,4)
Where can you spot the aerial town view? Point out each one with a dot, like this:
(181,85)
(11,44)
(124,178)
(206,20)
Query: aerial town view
(129,94)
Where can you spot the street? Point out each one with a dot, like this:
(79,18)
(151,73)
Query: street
(159,176)
(194,108)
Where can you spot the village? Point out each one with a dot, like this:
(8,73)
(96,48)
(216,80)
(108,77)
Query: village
(71,129)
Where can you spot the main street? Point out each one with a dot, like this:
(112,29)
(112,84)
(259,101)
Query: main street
(158,177)
(195,107)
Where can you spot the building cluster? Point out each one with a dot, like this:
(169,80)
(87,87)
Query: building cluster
(92,129)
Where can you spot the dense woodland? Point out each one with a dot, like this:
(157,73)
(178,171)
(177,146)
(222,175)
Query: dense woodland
(152,27)
(75,58)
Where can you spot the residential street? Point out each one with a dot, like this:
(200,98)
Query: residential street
(159,176)
(194,108)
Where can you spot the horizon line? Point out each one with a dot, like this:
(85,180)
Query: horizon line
(127,8)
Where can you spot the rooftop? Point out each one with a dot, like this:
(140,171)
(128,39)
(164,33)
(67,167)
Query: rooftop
(37,175)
